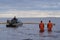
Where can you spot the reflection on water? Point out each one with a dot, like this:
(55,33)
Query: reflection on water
(57,31)
(30,31)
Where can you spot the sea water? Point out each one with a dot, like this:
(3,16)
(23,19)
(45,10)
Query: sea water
(30,31)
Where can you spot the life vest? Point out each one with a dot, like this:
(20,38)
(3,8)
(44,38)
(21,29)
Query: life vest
(41,27)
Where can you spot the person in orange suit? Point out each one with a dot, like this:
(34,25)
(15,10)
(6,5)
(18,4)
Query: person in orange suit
(41,26)
(49,26)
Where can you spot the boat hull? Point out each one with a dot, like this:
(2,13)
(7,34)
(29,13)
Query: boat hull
(14,25)
(10,24)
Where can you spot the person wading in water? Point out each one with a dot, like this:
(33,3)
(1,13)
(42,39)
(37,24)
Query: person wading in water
(49,26)
(41,26)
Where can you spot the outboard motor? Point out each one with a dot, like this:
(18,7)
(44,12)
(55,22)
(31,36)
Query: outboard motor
(8,22)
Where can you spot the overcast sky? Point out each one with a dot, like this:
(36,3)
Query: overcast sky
(28,8)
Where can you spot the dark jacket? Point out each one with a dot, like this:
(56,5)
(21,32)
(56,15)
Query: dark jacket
(14,20)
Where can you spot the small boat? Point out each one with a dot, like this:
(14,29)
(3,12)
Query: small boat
(10,24)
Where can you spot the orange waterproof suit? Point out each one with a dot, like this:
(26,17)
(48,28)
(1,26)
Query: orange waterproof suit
(41,26)
(49,26)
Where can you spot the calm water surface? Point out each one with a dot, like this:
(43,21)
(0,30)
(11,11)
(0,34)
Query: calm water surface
(30,31)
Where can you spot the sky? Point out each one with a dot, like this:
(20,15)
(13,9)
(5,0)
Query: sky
(30,8)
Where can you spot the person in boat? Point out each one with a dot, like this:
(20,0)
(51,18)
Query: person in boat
(14,20)
(49,26)
(41,26)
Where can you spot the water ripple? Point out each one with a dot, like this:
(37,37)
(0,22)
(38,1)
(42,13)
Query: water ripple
(27,39)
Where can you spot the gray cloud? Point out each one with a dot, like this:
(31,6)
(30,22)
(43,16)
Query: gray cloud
(30,4)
